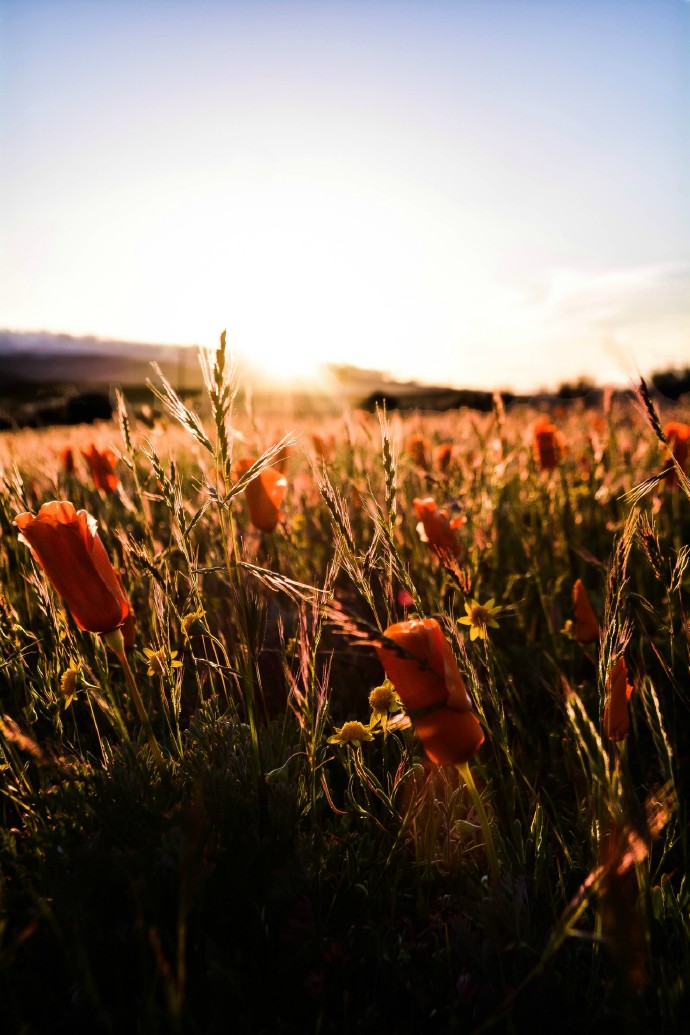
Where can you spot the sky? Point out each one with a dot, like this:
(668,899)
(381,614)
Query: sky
(484,193)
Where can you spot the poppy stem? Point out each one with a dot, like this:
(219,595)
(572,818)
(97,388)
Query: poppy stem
(141,711)
(116,642)
(466,773)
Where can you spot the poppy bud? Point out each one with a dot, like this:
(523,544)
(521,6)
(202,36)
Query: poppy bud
(585,625)
(678,436)
(618,691)
(428,682)
(102,466)
(548,444)
(443,454)
(264,495)
(418,449)
(67,459)
(438,529)
(66,544)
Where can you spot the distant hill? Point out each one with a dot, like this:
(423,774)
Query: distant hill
(39,357)
(48,378)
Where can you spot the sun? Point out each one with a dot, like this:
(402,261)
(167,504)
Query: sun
(302,271)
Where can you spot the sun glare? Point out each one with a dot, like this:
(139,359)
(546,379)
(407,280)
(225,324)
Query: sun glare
(301,272)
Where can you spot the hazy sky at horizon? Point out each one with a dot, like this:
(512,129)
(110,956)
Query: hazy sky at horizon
(488,192)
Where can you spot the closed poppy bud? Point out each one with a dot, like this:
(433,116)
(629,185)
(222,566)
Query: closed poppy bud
(67,459)
(429,683)
(585,625)
(618,691)
(102,466)
(66,544)
(418,449)
(419,684)
(264,495)
(438,530)
(443,454)
(548,444)
(449,737)
(678,436)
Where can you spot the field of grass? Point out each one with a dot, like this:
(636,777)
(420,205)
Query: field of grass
(230,862)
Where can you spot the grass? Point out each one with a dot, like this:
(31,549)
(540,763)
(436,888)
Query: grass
(263,879)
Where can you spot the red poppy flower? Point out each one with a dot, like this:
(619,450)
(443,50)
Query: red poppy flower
(439,530)
(264,495)
(66,544)
(418,449)
(449,737)
(443,454)
(618,691)
(102,466)
(678,436)
(67,459)
(585,625)
(548,444)
(430,684)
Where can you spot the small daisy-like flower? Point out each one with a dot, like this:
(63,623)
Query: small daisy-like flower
(159,661)
(384,702)
(353,732)
(188,620)
(68,683)
(479,617)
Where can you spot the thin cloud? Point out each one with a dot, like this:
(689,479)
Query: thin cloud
(598,325)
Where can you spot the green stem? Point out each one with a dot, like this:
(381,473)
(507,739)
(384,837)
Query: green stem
(466,773)
(116,643)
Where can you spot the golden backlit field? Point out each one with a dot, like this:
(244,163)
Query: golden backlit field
(245,857)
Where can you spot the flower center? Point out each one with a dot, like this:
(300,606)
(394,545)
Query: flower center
(352,731)
(382,699)
(480,615)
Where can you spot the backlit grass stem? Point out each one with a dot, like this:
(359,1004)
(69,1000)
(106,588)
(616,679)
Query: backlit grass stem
(116,643)
(466,773)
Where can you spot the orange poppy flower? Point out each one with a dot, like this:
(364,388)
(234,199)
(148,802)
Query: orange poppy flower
(66,544)
(678,436)
(548,444)
(418,449)
(67,459)
(443,454)
(618,691)
(438,530)
(585,625)
(430,683)
(102,466)
(449,737)
(264,495)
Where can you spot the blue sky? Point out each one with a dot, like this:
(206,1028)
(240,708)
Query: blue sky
(490,192)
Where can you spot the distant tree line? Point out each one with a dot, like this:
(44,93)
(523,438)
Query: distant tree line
(672,383)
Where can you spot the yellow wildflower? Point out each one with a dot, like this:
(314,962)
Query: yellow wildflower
(188,620)
(353,732)
(68,683)
(479,617)
(384,702)
(160,662)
